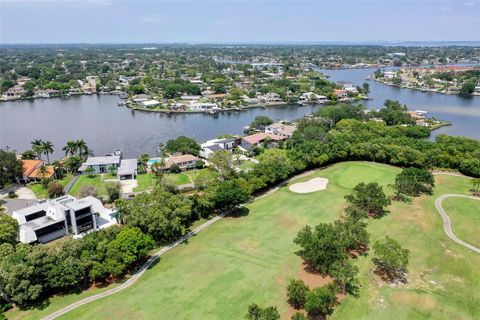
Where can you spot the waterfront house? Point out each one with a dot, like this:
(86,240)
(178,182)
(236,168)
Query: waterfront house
(190,98)
(141,98)
(101,164)
(389,75)
(211,146)
(31,171)
(126,168)
(52,219)
(341,93)
(197,106)
(257,138)
(271,97)
(283,129)
(15,92)
(184,161)
(150,103)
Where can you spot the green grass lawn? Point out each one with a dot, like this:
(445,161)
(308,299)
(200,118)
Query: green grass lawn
(211,173)
(96,180)
(145,181)
(179,178)
(41,192)
(240,260)
(465,217)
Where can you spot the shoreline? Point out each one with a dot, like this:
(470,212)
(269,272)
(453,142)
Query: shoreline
(424,90)
(215,112)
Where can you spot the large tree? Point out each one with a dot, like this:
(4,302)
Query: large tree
(10,168)
(370,198)
(222,161)
(413,182)
(161,214)
(320,301)
(183,145)
(390,258)
(8,229)
(296,292)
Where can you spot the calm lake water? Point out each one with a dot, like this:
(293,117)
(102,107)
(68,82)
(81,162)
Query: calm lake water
(105,126)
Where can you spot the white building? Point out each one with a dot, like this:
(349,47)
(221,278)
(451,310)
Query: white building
(211,146)
(282,129)
(203,106)
(52,219)
(389,75)
(150,103)
(126,168)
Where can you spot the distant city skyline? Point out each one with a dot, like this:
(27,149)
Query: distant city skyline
(270,22)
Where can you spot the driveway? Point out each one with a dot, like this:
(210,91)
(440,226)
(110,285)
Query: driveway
(21,191)
(16,204)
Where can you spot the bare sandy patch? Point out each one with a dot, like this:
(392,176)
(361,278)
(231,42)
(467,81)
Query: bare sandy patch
(312,185)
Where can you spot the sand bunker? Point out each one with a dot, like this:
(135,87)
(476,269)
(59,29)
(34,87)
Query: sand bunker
(315,184)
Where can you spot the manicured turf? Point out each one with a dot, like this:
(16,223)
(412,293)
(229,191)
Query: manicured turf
(248,259)
(465,217)
(179,178)
(96,180)
(145,181)
(41,192)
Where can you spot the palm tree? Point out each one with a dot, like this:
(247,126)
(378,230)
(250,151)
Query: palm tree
(70,148)
(47,148)
(82,148)
(37,147)
(144,160)
(58,166)
(43,170)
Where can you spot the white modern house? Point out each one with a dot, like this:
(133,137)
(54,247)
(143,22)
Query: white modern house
(126,168)
(52,219)
(211,146)
(101,164)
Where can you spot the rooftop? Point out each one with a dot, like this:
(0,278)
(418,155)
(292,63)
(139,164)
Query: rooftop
(30,165)
(92,161)
(127,167)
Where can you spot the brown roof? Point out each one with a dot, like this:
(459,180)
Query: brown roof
(179,159)
(30,165)
(259,137)
(36,173)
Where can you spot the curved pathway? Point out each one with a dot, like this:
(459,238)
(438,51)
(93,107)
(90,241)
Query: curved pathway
(447,226)
(157,255)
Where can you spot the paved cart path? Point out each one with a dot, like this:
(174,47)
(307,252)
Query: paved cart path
(157,255)
(447,226)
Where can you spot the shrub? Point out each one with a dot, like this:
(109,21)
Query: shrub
(174,169)
(88,190)
(113,191)
(200,164)
(296,292)
(55,189)
(12,194)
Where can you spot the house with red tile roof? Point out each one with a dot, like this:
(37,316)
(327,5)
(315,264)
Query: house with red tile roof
(31,171)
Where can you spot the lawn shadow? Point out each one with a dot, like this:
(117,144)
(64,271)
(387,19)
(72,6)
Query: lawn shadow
(239,212)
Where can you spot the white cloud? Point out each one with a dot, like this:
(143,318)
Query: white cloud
(446,9)
(469,3)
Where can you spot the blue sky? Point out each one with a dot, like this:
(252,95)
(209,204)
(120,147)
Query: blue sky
(104,21)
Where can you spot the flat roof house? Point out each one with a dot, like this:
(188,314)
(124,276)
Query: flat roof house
(101,164)
(211,146)
(281,129)
(126,168)
(52,219)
